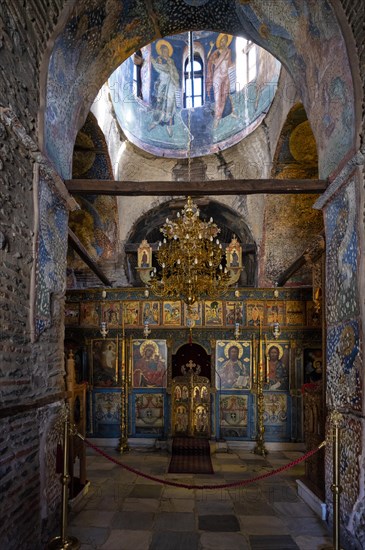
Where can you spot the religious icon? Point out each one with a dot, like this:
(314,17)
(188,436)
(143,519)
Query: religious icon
(277,366)
(254,313)
(233,364)
(172,313)
(72,314)
(213,313)
(295,313)
(111,314)
(234,313)
(131,313)
(104,362)
(149,363)
(150,313)
(89,314)
(274,313)
(193,316)
(313,365)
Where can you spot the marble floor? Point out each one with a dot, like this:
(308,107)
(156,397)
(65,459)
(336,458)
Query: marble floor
(123,511)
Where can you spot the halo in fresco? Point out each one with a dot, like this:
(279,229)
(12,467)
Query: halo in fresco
(275,345)
(235,344)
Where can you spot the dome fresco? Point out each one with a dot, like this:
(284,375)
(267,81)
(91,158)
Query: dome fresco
(167,109)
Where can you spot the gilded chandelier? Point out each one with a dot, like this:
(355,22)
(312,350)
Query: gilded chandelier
(191,259)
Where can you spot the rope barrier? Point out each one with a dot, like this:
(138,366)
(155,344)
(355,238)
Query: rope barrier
(186,486)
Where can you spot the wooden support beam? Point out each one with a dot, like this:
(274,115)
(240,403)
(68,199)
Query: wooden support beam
(310,256)
(176,188)
(79,248)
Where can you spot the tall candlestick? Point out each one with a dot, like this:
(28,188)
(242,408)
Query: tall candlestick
(123,441)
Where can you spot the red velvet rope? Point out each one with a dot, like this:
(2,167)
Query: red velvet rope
(223,486)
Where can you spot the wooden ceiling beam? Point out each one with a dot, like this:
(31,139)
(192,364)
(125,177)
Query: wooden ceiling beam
(79,248)
(176,188)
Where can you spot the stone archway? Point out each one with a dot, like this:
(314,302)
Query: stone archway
(96,39)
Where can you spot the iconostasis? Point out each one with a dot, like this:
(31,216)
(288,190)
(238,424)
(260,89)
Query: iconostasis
(132,366)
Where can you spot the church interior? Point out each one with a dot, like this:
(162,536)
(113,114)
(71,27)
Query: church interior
(182,273)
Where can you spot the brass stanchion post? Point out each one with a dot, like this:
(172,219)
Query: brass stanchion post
(336,418)
(123,441)
(64,542)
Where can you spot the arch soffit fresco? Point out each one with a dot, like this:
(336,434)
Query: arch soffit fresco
(303,38)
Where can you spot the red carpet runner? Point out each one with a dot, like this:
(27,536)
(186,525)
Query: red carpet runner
(190,456)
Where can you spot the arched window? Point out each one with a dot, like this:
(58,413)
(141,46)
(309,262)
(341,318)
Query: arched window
(193,82)
(137,77)
(246,67)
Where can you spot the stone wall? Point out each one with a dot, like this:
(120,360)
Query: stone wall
(31,375)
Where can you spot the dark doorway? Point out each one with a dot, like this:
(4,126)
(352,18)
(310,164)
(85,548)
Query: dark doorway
(195,353)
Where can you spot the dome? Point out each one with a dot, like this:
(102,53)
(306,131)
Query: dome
(167,106)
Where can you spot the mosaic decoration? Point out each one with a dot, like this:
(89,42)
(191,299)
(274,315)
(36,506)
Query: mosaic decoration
(149,413)
(344,367)
(158,121)
(149,358)
(351,438)
(96,223)
(233,364)
(104,362)
(51,254)
(233,415)
(106,414)
(342,249)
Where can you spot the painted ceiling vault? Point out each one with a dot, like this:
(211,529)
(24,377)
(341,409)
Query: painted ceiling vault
(234,85)
(100,35)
